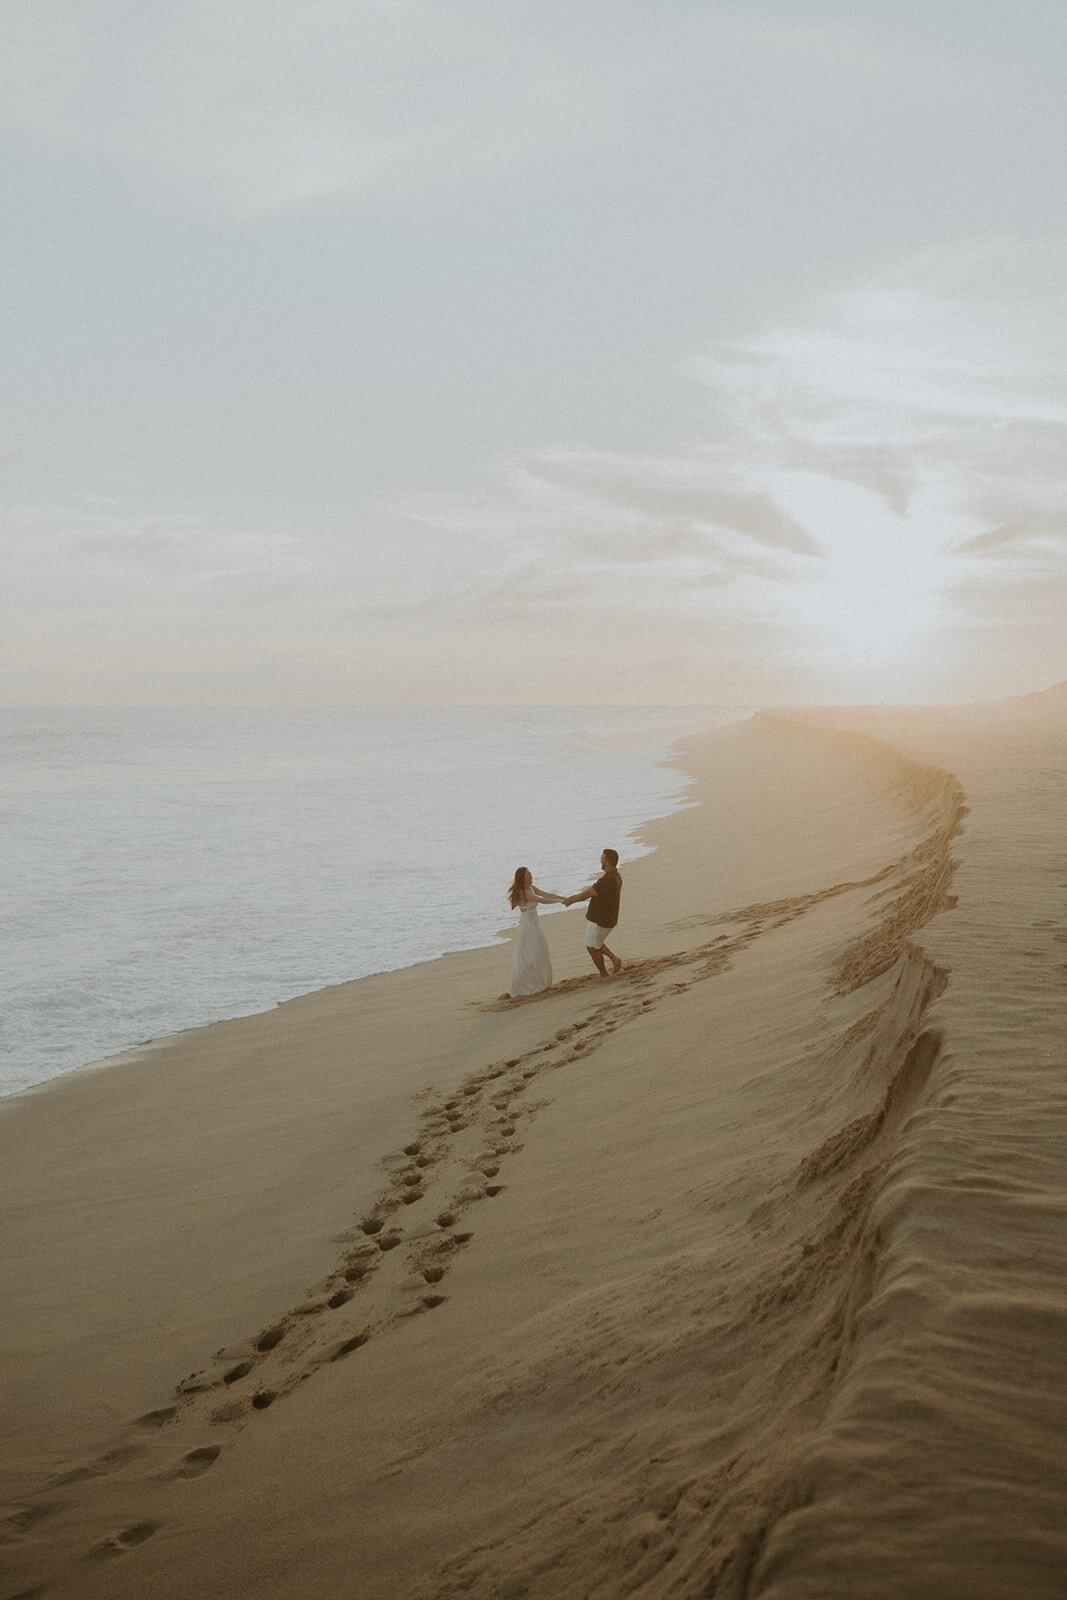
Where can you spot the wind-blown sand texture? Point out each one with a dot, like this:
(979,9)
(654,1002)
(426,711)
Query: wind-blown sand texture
(740,1275)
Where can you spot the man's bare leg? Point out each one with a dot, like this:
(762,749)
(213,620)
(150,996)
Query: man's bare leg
(598,960)
(612,957)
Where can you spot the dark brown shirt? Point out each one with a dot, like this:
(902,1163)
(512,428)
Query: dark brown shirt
(604,906)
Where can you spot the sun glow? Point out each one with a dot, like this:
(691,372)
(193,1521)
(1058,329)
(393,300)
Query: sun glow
(876,594)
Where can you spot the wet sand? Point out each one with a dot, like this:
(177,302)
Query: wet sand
(739,1275)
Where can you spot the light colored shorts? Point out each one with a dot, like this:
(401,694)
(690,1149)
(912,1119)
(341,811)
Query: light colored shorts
(594,936)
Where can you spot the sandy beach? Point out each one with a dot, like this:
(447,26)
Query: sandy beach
(739,1275)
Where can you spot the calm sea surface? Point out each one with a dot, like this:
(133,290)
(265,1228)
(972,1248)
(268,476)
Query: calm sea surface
(163,868)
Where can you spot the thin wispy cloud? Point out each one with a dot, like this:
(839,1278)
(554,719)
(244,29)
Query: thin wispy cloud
(71,566)
(836,509)
(279,102)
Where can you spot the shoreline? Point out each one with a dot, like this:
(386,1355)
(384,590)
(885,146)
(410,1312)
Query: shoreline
(752,1206)
(442,948)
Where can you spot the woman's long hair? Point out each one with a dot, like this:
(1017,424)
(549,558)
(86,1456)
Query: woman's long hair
(517,892)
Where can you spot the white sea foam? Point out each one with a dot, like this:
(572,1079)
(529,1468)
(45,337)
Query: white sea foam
(164,868)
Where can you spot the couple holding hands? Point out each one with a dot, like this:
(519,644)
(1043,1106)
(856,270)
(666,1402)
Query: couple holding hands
(531,967)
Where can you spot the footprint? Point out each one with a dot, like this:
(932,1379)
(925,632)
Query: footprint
(436,1258)
(426,1302)
(362,1255)
(264,1398)
(230,1413)
(118,1543)
(156,1419)
(198,1461)
(270,1338)
(349,1345)
(241,1370)
(341,1298)
(97,1469)
(75,1475)
(195,1383)
(22,1521)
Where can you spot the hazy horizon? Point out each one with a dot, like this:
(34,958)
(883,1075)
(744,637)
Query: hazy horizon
(392,352)
(490,705)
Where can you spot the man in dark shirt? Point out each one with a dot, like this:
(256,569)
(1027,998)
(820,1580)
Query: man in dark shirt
(603,913)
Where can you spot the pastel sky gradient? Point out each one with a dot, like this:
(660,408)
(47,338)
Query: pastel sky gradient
(418,351)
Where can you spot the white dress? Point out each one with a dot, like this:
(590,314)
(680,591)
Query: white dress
(531,965)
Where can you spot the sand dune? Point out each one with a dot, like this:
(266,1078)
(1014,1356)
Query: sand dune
(737,1276)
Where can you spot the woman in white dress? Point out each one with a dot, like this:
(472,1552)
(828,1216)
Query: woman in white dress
(531,965)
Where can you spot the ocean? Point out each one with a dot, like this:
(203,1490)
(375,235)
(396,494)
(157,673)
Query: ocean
(163,868)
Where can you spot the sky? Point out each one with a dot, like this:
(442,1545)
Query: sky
(426,352)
